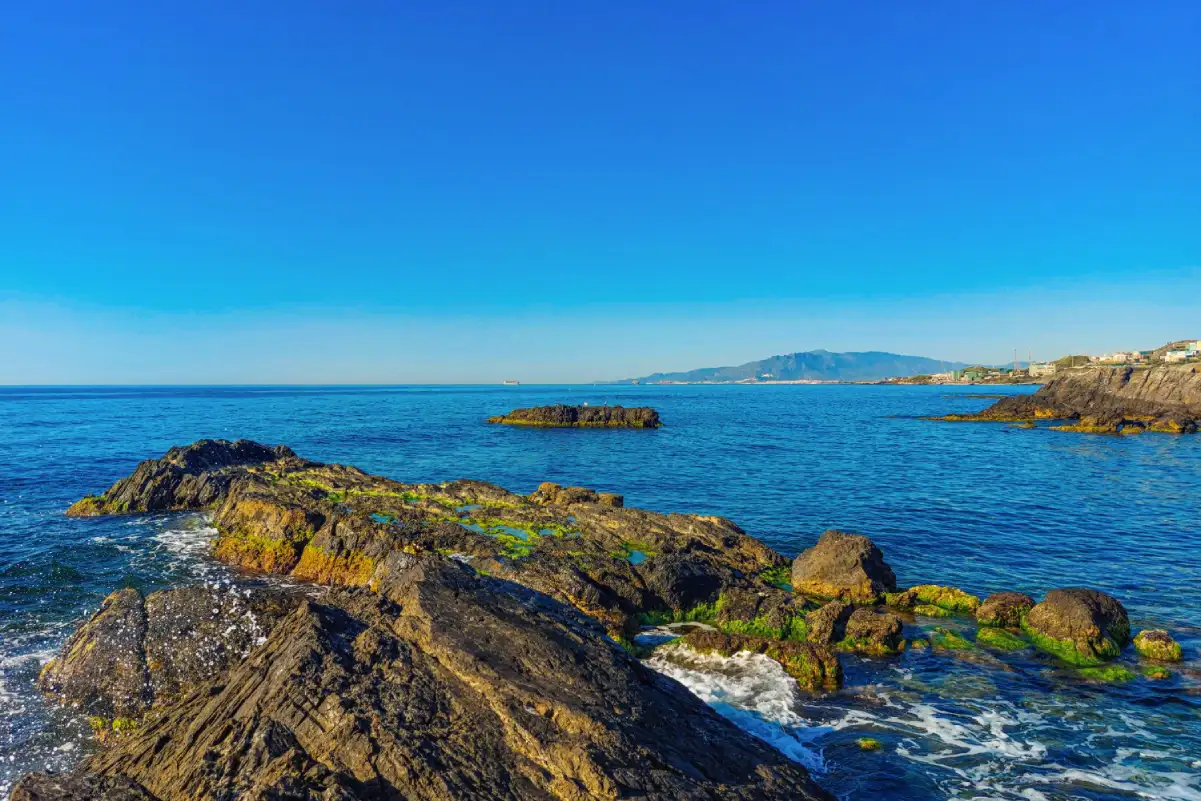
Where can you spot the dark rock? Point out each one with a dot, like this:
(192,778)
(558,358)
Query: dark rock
(445,685)
(845,566)
(561,416)
(195,476)
(827,625)
(1080,626)
(1004,609)
(682,580)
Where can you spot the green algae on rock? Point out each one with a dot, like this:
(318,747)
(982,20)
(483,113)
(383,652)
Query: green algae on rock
(561,416)
(1107,673)
(869,744)
(1000,639)
(945,639)
(1082,627)
(1157,644)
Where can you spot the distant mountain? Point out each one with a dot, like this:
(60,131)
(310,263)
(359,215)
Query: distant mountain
(813,365)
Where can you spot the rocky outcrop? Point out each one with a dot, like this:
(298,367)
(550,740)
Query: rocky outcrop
(1164,398)
(1080,626)
(845,566)
(1004,609)
(440,684)
(1157,644)
(193,476)
(560,416)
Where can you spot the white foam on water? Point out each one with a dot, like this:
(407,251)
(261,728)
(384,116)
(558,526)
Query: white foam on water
(750,690)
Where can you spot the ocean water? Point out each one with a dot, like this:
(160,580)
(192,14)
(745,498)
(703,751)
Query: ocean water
(983,507)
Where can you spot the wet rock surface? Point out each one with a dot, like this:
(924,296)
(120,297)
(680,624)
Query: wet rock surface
(561,416)
(845,566)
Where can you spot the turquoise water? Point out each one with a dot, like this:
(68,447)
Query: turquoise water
(985,507)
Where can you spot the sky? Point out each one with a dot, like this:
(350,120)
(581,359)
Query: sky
(315,192)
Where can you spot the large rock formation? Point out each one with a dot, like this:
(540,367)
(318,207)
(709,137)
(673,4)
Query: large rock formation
(845,566)
(560,416)
(1109,399)
(1080,626)
(437,684)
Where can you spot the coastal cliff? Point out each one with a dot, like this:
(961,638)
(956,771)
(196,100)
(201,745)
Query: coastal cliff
(471,642)
(560,416)
(1108,399)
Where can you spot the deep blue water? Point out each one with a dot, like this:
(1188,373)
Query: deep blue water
(985,507)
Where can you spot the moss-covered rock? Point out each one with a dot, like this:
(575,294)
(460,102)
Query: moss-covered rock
(828,624)
(1000,639)
(1080,626)
(1107,673)
(1157,644)
(929,610)
(870,632)
(1156,672)
(952,599)
(869,744)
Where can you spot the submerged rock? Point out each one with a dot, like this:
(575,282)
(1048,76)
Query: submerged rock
(845,566)
(1004,609)
(1080,626)
(439,685)
(560,416)
(1000,639)
(1157,644)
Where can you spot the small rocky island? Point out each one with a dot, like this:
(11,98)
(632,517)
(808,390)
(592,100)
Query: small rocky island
(1126,400)
(560,416)
(470,642)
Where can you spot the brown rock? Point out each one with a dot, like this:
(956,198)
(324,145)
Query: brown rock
(869,631)
(845,566)
(1081,626)
(1004,609)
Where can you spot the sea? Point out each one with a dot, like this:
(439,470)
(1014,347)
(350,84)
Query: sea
(985,507)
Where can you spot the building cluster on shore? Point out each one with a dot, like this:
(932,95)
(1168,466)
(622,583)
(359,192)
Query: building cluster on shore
(1034,372)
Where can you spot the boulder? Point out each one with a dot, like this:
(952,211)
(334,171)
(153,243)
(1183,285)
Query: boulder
(1080,626)
(845,566)
(871,632)
(1157,644)
(551,493)
(1004,609)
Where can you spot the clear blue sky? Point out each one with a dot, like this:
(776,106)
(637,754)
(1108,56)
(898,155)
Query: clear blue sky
(458,191)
